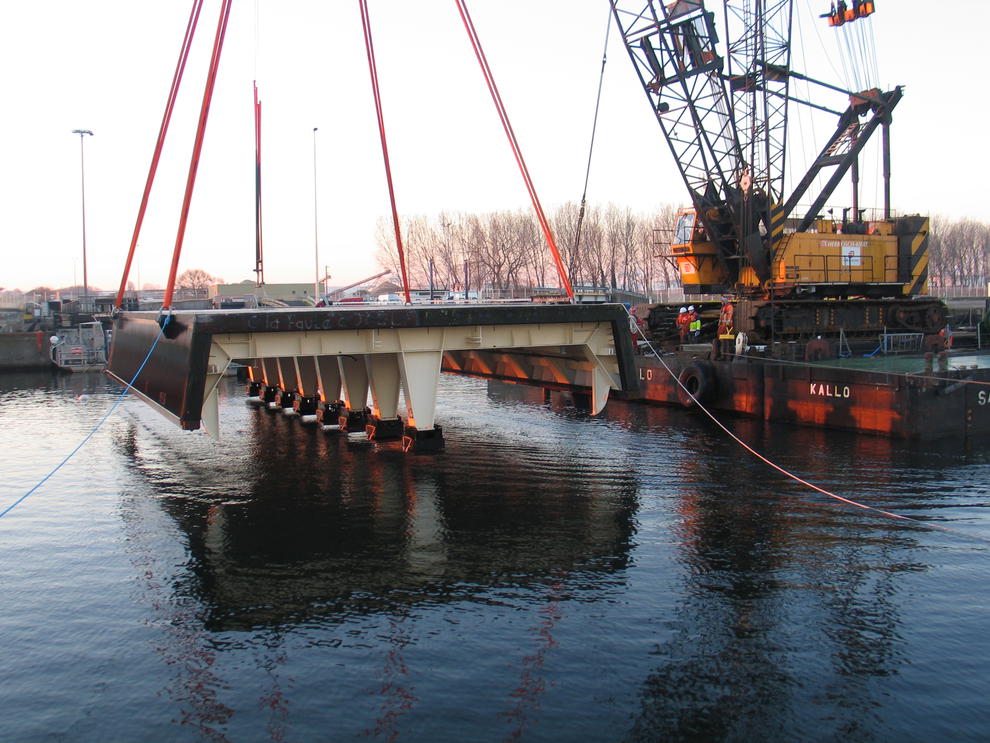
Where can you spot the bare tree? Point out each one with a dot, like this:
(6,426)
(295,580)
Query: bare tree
(196,281)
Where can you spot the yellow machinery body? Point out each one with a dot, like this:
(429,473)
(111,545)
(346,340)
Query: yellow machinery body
(886,258)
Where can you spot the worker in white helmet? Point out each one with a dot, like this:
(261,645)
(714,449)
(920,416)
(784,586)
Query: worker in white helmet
(683,323)
(694,323)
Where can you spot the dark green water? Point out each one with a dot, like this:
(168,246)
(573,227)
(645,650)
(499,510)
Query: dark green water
(550,577)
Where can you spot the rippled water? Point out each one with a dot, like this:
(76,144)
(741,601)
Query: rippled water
(550,577)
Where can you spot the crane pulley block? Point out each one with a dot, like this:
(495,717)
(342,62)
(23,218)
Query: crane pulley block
(842,12)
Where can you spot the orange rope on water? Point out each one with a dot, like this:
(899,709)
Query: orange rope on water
(513,142)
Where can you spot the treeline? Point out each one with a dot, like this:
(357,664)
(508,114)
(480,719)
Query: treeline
(959,252)
(506,252)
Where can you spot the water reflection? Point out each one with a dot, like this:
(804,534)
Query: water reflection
(330,526)
(775,611)
(773,576)
(307,529)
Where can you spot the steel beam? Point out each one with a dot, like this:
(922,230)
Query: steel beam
(570,346)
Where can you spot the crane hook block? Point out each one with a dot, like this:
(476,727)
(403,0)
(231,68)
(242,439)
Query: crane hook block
(843,12)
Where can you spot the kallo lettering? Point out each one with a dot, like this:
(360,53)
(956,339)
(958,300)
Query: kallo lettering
(829,390)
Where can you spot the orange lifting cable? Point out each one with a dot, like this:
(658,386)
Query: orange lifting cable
(259,264)
(516,151)
(166,118)
(197,149)
(370,47)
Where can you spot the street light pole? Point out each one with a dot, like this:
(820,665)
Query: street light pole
(316,233)
(82,171)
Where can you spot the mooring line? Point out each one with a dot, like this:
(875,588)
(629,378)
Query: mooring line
(781,469)
(88,436)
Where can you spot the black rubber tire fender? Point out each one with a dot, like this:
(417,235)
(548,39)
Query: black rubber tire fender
(699,378)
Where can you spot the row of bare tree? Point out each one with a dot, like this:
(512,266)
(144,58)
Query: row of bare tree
(958,252)
(505,252)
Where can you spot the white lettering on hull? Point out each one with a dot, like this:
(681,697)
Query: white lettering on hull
(830,390)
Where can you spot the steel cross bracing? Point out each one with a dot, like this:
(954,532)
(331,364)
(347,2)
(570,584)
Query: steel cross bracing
(758,38)
(674,52)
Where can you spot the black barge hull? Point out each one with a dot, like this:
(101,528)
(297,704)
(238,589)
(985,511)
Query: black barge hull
(927,405)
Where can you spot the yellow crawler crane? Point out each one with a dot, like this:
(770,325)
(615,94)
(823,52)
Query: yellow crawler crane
(723,107)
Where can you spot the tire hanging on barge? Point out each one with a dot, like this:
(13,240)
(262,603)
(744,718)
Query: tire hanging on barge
(698,378)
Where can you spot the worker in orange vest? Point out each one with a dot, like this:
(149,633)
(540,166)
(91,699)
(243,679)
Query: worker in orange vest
(683,323)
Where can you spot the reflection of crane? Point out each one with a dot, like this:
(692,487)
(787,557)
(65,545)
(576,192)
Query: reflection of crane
(723,106)
(337,293)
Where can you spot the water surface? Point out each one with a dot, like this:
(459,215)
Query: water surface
(549,577)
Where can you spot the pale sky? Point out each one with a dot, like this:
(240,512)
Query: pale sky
(106,65)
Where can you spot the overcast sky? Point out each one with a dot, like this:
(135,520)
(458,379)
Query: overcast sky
(106,65)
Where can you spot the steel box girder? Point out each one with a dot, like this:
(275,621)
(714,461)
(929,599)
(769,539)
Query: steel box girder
(183,368)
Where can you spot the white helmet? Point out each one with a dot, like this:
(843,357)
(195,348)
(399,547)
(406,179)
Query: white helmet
(683,309)
(691,308)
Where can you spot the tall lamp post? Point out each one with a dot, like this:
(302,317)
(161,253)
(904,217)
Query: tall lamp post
(82,169)
(316,231)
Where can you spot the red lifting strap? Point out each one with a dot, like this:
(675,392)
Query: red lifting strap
(169,105)
(497,99)
(197,149)
(370,47)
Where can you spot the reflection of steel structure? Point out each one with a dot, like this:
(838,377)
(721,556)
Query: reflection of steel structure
(367,533)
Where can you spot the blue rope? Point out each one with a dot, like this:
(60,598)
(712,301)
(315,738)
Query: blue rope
(96,428)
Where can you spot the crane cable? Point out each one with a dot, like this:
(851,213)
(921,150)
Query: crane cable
(514,144)
(889,514)
(373,69)
(204,112)
(163,129)
(591,147)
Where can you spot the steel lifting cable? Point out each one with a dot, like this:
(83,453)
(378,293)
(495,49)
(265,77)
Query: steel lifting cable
(204,113)
(259,260)
(779,468)
(594,128)
(127,387)
(163,129)
(373,69)
(514,144)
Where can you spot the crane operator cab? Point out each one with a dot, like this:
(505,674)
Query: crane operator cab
(697,256)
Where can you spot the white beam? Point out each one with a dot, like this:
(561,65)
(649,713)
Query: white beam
(383,376)
(420,375)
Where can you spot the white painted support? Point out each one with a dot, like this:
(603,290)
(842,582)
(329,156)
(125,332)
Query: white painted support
(328,378)
(297,376)
(286,373)
(383,376)
(354,375)
(580,353)
(420,375)
(602,380)
(209,416)
(216,367)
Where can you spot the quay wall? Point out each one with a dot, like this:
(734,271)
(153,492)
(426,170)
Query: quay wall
(20,351)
